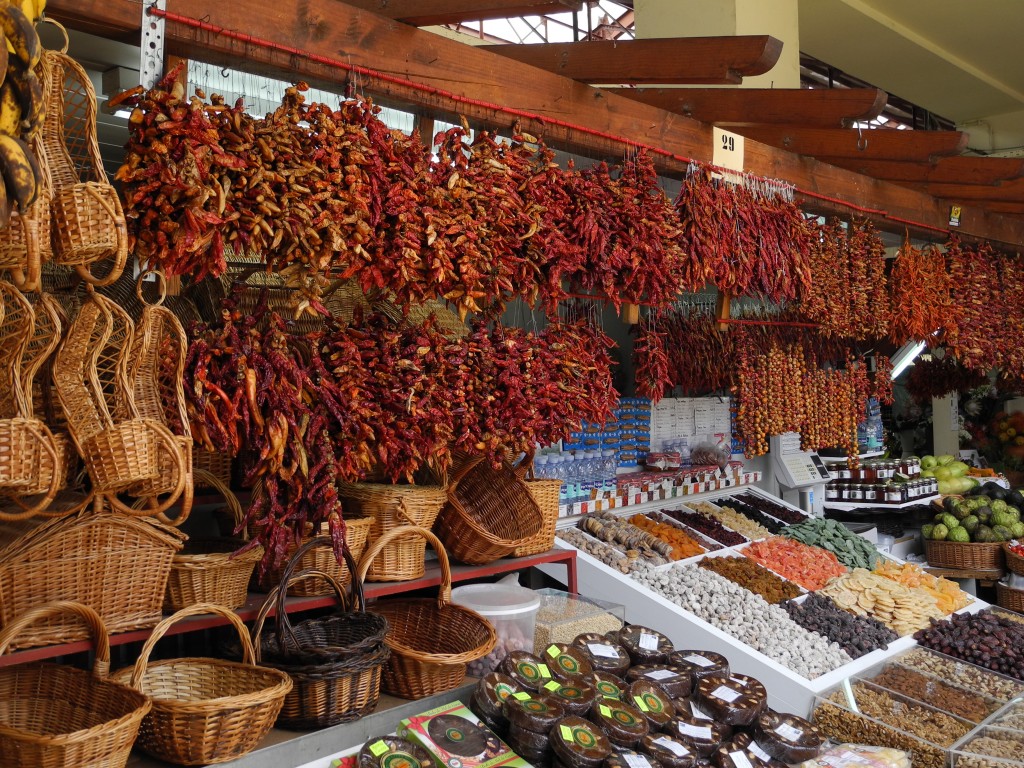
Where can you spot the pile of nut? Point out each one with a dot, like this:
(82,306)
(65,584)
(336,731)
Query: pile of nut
(949,698)
(560,619)
(733,519)
(745,616)
(750,575)
(1006,745)
(967,676)
(624,562)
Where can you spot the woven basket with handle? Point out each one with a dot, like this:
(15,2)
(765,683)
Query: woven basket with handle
(322,559)
(1014,562)
(115,564)
(54,716)
(335,663)
(546,493)
(1009,598)
(431,641)
(210,571)
(87,220)
(490,512)
(390,507)
(205,710)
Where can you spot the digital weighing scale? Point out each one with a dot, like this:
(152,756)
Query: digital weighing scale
(801,475)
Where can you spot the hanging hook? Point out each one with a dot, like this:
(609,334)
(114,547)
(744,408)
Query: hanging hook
(862,142)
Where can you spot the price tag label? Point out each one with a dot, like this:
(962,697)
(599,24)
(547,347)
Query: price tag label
(604,651)
(522,696)
(759,753)
(674,747)
(659,674)
(633,760)
(789,733)
(551,685)
(553,651)
(740,760)
(544,671)
(648,641)
(605,711)
(641,704)
(378,748)
(566,733)
(700,661)
(695,731)
(726,694)
(700,714)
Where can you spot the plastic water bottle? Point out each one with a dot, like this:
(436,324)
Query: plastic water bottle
(609,463)
(540,467)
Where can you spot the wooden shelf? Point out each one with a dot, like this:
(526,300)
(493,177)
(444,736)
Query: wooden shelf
(986,578)
(248,612)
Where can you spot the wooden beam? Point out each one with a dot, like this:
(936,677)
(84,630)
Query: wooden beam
(1006,191)
(733,107)
(948,170)
(675,61)
(1013,209)
(880,144)
(329,28)
(424,13)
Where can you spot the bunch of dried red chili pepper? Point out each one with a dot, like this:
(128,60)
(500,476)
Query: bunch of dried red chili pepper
(921,294)
(848,295)
(682,350)
(976,337)
(745,241)
(931,376)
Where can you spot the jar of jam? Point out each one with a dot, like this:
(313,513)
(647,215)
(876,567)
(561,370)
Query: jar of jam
(832,492)
(869,471)
(893,494)
(870,492)
(856,492)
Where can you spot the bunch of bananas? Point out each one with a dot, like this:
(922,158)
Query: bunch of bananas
(22,104)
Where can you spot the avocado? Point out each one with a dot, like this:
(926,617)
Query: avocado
(949,504)
(1002,533)
(983,513)
(971,523)
(984,534)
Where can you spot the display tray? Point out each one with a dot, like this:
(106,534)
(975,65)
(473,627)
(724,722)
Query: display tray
(845,506)
(787,690)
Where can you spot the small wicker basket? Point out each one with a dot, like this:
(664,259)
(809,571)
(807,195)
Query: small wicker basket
(431,641)
(210,571)
(1009,598)
(1014,562)
(963,556)
(490,512)
(335,663)
(62,717)
(322,559)
(546,493)
(205,710)
(390,507)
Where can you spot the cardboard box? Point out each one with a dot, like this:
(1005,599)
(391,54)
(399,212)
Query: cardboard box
(456,738)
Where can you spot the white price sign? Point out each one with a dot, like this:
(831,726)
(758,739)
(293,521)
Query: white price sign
(728,150)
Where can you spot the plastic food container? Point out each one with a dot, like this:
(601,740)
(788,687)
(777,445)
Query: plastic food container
(563,617)
(511,609)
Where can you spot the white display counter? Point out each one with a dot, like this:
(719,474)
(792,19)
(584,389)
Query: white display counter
(787,690)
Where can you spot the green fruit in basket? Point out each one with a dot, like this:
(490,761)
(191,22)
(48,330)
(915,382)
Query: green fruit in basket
(984,535)
(939,532)
(959,534)
(926,530)
(945,459)
(998,505)
(928,462)
(1001,520)
(950,522)
(970,523)
(1002,533)
(1017,529)
(1014,514)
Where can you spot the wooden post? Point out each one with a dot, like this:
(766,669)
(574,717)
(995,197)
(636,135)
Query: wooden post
(723,307)
(631,314)
(170,62)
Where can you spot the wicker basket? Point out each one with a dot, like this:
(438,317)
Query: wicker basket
(322,559)
(331,684)
(1014,562)
(206,463)
(87,221)
(116,565)
(205,710)
(53,716)
(389,507)
(209,571)
(1009,598)
(431,641)
(546,493)
(963,556)
(490,512)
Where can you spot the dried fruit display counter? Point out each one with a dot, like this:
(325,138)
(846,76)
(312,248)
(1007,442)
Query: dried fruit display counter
(696,606)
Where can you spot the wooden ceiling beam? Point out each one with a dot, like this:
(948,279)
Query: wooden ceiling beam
(424,13)
(1013,209)
(878,144)
(1004,191)
(672,61)
(332,29)
(947,170)
(745,107)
